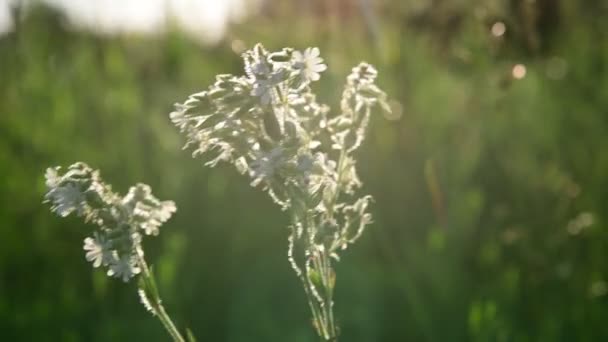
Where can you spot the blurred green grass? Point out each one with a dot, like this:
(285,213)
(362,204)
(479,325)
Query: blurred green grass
(478,184)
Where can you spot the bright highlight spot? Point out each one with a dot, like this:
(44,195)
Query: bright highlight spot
(6,22)
(238,46)
(498,29)
(396,110)
(519,71)
(205,20)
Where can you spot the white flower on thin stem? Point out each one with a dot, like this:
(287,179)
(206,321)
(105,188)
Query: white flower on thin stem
(124,267)
(266,164)
(153,217)
(52,178)
(98,251)
(309,64)
(65,199)
(264,88)
(260,68)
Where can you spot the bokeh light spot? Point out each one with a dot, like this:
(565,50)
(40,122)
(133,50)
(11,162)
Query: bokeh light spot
(396,110)
(518,71)
(498,29)
(238,46)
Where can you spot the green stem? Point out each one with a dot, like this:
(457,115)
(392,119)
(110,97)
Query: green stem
(159,309)
(326,262)
(330,207)
(322,312)
(323,266)
(316,314)
(312,302)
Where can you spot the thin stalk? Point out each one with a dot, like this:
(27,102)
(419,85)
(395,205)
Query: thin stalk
(322,309)
(329,293)
(316,314)
(324,269)
(159,309)
(330,207)
(310,227)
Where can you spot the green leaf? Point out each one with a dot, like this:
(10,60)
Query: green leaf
(190,336)
(315,278)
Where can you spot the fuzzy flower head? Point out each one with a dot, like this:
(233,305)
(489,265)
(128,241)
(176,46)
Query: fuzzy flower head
(270,126)
(266,164)
(362,73)
(98,250)
(121,221)
(308,64)
(262,74)
(65,199)
(148,212)
(264,88)
(124,267)
(66,193)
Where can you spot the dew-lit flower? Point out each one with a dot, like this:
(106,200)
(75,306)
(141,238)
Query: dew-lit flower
(265,165)
(153,216)
(124,268)
(362,73)
(98,251)
(260,68)
(121,221)
(52,178)
(301,155)
(65,199)
(117,241)
(148,212)
(264,87)
(309,64)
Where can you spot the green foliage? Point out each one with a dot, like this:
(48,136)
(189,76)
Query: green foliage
(483,188)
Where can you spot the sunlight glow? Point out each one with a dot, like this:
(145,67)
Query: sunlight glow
(205,20)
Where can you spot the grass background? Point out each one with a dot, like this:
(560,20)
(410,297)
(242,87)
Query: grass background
(480,180)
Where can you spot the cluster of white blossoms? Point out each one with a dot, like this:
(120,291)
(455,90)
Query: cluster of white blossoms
(268,124)
(121,221)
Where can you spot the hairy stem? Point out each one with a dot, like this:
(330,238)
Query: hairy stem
(327,282)
(156,302)
(334,199)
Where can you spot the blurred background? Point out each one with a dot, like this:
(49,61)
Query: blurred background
(490,176)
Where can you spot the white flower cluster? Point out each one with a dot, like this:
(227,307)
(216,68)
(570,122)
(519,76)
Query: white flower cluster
(268,123)
(121,221)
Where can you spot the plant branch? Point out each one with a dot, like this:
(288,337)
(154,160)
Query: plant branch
(156,302)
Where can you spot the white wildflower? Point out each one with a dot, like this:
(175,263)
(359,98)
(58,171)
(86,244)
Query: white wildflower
(260,68)
(264,87)
(52,178)
(265,165)
(153,216)
(136,193)
(124,267)
(289,144)
(65,199)
(98,251)
(362,73)
(121,220)
(147,211)
(309,64)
